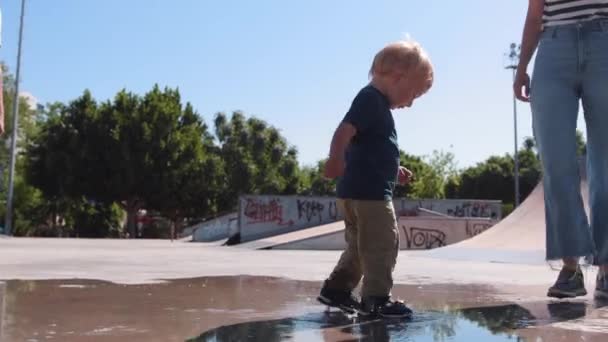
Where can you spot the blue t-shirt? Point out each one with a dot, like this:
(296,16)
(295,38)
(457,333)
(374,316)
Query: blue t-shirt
(372,157)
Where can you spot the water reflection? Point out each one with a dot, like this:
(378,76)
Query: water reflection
(430,326)
(495,323)
(272,309)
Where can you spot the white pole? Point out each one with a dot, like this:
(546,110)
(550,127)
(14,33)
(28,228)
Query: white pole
(513,61)
(14,136)
(516,153)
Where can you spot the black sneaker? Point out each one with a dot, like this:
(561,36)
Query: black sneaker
(569,284)
(343,300)
(601,286)
(384,307)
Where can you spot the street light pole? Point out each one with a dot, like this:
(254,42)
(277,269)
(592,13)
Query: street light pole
(513,61)
(14,135)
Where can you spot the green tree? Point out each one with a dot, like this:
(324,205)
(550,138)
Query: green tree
(27,201)
(491,179)
(257,159)
(419,168)
(581,144)
(95,219)
(189,183)
(529,171)
(55,165)
(29,208)
(133,151)
(49,163)
(430,175)
(494,178)
(313,183)
(153,156)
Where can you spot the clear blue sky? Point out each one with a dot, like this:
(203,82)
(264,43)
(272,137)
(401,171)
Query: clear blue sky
(296,64)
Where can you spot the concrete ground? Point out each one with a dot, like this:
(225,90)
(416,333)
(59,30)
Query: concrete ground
(144,261)
(114,290)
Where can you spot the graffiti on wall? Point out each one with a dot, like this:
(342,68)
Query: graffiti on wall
(261,216)
(423,238)
(313,210)
(454,208)
(476,228)
(265,211)
(473,209)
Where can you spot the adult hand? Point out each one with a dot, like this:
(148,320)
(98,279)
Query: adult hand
(521,86)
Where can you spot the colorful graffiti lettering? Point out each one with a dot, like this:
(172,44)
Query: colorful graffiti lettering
(259,211)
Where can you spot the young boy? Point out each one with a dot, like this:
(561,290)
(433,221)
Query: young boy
(365,155)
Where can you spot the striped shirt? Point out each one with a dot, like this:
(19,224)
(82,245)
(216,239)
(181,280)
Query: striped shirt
(561,12)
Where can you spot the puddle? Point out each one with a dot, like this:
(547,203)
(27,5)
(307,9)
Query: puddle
(495,323)
(429,326)
(247,308)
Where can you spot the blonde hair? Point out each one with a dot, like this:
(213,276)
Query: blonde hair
(399,57)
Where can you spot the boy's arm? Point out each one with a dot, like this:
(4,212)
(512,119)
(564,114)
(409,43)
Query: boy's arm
(358,119)
(334,167)
(529,42)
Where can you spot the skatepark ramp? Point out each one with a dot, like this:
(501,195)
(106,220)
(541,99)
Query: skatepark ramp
(330,236)
(417,232)
(524,229)
(519,237)
(220,228)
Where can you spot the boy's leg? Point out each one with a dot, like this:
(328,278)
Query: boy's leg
(378,249)
(378,246)
(337,289)
(347,273)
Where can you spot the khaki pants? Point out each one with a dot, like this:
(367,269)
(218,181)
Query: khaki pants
(372,239)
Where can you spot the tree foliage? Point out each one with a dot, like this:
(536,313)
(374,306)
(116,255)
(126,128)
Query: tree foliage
(138,152)
(257,159)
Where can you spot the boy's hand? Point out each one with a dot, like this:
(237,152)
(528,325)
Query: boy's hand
(405,175)
(334,167)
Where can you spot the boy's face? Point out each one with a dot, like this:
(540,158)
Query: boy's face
(408,87)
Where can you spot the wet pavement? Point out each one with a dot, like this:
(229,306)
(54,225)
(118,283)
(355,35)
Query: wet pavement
(251,308)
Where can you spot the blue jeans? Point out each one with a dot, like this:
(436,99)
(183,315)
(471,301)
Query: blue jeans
(571,66)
